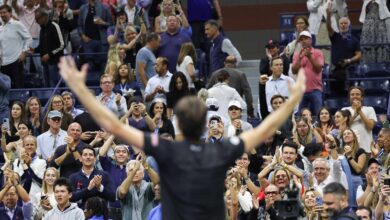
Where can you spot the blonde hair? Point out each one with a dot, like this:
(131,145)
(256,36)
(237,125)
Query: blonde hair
(162,8)
(113,58)
(44,186)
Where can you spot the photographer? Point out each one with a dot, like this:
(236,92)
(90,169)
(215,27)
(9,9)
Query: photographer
(216,129)
(139,118)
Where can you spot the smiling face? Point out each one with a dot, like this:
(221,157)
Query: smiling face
(355,94)
(310,199)
(29,145)
(10,198)
(50,177)
(74,130)
(324,116)
(121,154)
(106,84)
(234,112)
(57,103)
(289,155)
(348,136)
(321,171)
(300,25)
(339,119)
(88,158)
(5,15)
(33,106)
(281,179)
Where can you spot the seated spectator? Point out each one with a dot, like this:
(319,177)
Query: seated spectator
(158,111)
(51,46)
(70,102)
(14,149)
(324,126)
(135,194)
(368,193)
(90,182)
(236,126)
(345,52)
(309,154)
(34,114)
(64,209)
(277,83)
(158,85)
(312,61)
(93,21)
(381,150)
(146,60)
(225,94)
(171,42)
(51,139)
(30,166)
(67,157)
(115,102)
(237,195)
(45,201)
(17,114)
(9,196)
(364,213)
(215,129)
(135,14)
(57,103)
(310,199)
(222,47)
(237,80)
(267,207)
(96,208)
(88,126)
(342,120)
(303,132)
(272,52)
(139,117)
(125,81)
(363,118)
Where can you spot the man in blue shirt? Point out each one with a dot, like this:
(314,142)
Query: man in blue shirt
(5,86)
(90,182)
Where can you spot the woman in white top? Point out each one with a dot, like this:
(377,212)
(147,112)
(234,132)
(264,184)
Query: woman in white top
(167,9)
(186,63)
(44,201)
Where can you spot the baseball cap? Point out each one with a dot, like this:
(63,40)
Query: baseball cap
(305,33)
(212,103)
(215,117)
(373,160)
(235,103)
(271,44)
(54,114)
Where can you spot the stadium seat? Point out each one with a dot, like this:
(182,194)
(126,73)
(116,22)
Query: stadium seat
(378,102)
(18,95)
(375,86)
(43,94)
(335,104)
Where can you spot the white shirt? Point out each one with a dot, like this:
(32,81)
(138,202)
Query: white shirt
(229,48)
(46,146)
(317,9)
(183,68)
(38,166)
(277,87)
(336,174)
(27,18)
(364,135)
(130,14)
(14,39)
(157,80)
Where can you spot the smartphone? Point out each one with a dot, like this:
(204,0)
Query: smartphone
(43,197)
(319,201)
(386,181)
(6,123)
(213,124)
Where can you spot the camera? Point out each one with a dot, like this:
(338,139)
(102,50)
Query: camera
(290,208)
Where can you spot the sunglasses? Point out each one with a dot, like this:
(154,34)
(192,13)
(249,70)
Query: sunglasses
(234,108)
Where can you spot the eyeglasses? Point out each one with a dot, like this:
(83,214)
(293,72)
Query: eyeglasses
(271,193)
(280,176)
(106,82)
(234,108)
(57,102)
(56,119)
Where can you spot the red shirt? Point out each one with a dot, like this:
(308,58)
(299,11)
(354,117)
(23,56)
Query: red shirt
(313,78)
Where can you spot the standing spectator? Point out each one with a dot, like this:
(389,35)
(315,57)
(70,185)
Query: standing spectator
(133,43)
(237,80)
(93,21)
(74,35)
(312,61)
(145,60)
(168,8)
(116,32)
(69,104)
(158,85)
(364,213)
(171,41)
(9,196)
(29,165)
(115,102)
(135,194)
(135,14)
(186,63)
(65,209)
(51,46)
(15,41)
(66,157)
(63,16)
(200,11)
(178,88)
(345,52)
(363,118)
(51,139)
(301,24)
(90,182)
(225,94)
(374,16)
(26,15)
(336,202)
(221,46)
(236,126)
(272,51)
(5,86)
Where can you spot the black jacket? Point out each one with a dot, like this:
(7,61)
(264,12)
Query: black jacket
(51,42)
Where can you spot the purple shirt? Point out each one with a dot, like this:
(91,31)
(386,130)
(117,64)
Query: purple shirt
(199,10)
(170,48)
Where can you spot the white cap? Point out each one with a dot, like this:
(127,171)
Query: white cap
(235,103)
(212,102)
(305,33)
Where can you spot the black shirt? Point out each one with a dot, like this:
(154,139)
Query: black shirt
(359,152)
(69,165)
(91,29)
(192,175)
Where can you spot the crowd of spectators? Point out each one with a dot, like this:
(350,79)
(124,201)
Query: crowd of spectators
(196,142)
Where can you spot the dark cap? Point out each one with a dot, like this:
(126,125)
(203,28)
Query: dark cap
(271,44)
(373,160)
(215,117)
